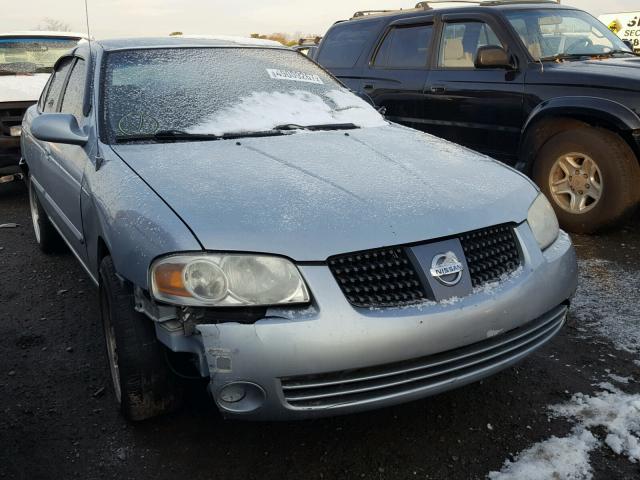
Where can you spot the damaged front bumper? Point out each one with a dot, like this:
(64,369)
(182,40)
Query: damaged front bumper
(331,358)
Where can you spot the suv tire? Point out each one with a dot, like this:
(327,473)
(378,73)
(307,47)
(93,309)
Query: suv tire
(47,237)
(144,385)
(591,176)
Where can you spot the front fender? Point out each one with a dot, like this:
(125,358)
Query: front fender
(134,223)
(590,110)
(581,107)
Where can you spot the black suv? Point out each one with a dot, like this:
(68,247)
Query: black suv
(543,87)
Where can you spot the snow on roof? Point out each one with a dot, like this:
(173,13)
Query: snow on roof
(235,39)
(45,34)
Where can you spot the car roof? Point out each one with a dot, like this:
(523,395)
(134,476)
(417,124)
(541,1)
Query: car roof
(186,41)
(423,8)
(44,34)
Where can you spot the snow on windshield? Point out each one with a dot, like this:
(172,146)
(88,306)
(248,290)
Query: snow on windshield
(223,90)
(265,110)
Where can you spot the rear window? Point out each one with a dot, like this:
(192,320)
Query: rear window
(345,42)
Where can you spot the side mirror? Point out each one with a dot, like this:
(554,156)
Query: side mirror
(58,128)
(492,56)
(629,44)
(312,52)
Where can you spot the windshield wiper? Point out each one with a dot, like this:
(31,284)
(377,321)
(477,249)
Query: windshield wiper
(617,52)
(179,135)
(321,126)
(565,56)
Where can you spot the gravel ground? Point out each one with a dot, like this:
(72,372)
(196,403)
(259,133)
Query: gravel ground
(59,418)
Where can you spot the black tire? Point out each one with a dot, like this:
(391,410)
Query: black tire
(144,386)
(618,173)
(47,237)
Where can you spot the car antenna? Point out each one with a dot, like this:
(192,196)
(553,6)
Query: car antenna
(98,157)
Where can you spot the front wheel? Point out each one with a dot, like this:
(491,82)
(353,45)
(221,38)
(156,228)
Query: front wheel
(143,384)
(590,176)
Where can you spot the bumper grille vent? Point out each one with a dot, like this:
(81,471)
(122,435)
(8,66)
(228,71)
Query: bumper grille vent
(10,117)
(377,278)
(490,253)
(387,278)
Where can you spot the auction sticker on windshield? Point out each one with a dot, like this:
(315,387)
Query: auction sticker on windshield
(277,74)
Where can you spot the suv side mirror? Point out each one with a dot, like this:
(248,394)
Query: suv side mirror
(629,44)
(312,52)
(492,56)
(58,128)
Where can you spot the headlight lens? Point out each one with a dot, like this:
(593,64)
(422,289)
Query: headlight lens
(227,280)
(543,221)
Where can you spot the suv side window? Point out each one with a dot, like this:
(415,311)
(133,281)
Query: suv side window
(460,43)
(74,94)
(405,47)
(57,82)
(345,42)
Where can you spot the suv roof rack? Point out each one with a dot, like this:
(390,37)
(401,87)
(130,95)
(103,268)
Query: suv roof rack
(427,5)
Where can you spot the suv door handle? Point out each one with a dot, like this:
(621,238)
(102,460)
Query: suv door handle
(368,86)
(438,89)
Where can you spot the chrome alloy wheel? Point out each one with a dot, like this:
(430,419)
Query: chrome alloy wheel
(112,350)
(35,213)
(575,183)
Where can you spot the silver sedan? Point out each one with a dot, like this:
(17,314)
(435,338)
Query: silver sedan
(248,220)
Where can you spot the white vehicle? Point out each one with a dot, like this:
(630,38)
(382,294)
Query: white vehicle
(624,24)
(26,62)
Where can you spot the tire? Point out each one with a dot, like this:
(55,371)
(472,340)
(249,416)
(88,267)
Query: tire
(578,165)
(47,237)
(143,384)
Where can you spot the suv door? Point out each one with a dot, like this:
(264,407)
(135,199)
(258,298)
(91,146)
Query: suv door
(396,74)
(66,163)
(479,108)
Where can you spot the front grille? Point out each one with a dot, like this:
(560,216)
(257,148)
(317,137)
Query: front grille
(491,253)
(377,278)
(10,117)
(427,375)
(387,278)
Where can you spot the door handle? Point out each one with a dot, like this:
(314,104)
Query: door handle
(438,89)
(368,86)
(47,150)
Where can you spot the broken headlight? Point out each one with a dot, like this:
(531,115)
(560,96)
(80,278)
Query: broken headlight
(227,280)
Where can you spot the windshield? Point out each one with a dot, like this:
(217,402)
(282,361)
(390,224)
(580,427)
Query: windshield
(221,91)
(32,55)
(554,33)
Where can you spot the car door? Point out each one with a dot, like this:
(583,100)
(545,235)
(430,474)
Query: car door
(37,152)
(66,163)
(396,75)
(478,108)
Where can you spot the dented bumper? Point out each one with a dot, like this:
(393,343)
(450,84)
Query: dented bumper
(332,358)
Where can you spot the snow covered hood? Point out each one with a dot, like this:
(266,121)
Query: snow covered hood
(22,88)
(312,195)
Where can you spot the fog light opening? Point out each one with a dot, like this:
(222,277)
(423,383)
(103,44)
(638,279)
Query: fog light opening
(240,397)
(233,393)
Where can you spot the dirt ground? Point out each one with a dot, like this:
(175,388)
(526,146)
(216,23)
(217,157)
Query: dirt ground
(58,417)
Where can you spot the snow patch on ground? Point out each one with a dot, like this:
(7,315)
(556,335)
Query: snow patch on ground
(607,302)
(617,412)
(619,379)
(262,111)
(561,458)
(568,458)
